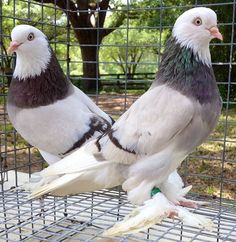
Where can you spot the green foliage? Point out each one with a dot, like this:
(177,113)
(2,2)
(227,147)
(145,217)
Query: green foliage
(222,53)
(52,22)
(129,51)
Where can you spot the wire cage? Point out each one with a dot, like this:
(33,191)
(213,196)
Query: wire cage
(111,49)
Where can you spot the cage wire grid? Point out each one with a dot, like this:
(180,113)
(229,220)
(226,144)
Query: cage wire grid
(84,217)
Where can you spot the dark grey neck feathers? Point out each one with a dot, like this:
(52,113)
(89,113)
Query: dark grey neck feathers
(44,89)
(180,69)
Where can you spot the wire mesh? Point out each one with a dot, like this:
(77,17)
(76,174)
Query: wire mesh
(116,29)
(54,220)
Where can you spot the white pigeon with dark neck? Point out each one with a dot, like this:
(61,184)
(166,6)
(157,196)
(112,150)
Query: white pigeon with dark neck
(153,137)
(43,105)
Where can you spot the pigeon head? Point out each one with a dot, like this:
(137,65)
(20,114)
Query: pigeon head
(194,29)
(32,49)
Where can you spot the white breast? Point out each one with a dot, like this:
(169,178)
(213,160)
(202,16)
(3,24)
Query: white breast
(53,128)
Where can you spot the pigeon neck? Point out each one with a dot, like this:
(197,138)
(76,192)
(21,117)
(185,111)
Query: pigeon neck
(200,48)
(182,70)
(46,88)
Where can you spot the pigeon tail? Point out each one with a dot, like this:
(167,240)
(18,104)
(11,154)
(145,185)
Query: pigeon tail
(35,182)
(77,173)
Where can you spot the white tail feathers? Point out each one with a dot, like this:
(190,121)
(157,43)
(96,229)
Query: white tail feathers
(58,183)
(77,173)
(75,162)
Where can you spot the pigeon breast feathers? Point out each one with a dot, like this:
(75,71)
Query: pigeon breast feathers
(151,124)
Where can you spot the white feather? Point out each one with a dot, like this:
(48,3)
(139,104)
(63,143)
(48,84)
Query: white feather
(154,211)
(50,158)
(32,56)
(79,172)
(174,190)
(75,162)
(196,37)
(153,121)
(195,220)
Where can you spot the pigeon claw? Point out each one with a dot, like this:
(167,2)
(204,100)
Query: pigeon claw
(173,214)
(188,204)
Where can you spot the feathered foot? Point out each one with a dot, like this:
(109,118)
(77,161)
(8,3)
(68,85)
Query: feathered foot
(175,191)
(154,211)
(177,196)
(184,202)
(194,220)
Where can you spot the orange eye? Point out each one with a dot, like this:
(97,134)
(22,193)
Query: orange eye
(30,37)
(197,21)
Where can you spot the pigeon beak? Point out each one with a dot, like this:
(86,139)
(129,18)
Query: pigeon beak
(13,47)
(215,33)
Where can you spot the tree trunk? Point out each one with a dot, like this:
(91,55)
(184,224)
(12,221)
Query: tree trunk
(88,34)
(91,75)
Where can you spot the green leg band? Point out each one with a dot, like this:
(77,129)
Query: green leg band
(154,191)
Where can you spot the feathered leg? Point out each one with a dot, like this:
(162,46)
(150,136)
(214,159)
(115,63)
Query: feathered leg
(174,190)
(154,211)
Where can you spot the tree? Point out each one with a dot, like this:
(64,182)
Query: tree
(130,50)
(5,65)
(220,52)
(87,19)
(5,61)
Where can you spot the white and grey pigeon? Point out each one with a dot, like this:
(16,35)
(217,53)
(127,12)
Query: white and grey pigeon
(151,139)
(44,107)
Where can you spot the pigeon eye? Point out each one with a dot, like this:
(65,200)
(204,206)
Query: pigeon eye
(30,37)
(197,21)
